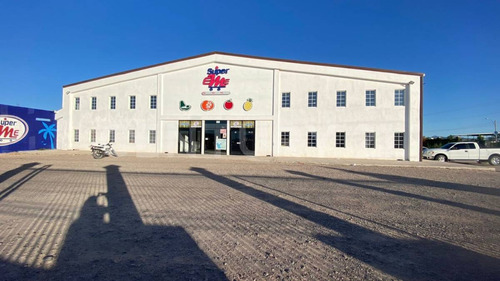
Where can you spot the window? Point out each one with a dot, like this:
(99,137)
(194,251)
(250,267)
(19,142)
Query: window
(152,102)
(131,136)
(311,139)
(370,140)
(340,139)
(152,136)
(132,102)
(285,138)
(460,146)
(112,103)
(472,146)
(312,100)
(371,98)
(77,135)
(399,140)
(399,97)
(111,135)
(94,103)
(341,98)
(92,135)
(77,103)
(285,100)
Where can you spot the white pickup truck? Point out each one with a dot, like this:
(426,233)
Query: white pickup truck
(464,151)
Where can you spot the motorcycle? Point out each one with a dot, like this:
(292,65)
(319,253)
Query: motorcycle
(101,150)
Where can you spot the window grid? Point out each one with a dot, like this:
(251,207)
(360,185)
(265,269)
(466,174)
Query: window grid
(371,98)
(111,135)
(311,139)
(399,140)
(152,102)
(94,103)
(285,100)
(131,136)
(77,135)
(340,139)
(370,140)
(312,100)
(77,103)
(152,136)
(112,103)
(132,102)
(92,135)
(285,138)
(399,97)
(341,98)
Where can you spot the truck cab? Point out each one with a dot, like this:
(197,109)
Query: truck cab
(464,151)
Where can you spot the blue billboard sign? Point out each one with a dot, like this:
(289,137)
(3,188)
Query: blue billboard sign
(24,128)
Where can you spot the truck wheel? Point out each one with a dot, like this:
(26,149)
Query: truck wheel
(441,158)
(494,160)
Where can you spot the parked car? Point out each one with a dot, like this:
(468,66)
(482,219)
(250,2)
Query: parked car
(424,149)
(464,151)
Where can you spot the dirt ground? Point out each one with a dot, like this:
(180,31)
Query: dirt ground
(66,216)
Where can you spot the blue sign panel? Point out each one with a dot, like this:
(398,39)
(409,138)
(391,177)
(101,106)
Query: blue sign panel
(24,128)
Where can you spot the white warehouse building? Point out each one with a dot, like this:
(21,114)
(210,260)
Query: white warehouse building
(228,104)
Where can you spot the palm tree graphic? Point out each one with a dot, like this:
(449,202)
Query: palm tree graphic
(48,131)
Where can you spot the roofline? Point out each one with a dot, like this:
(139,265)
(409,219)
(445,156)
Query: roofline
(251,57)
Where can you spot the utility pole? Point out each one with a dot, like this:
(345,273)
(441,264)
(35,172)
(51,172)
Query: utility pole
(495,125)
(496,132)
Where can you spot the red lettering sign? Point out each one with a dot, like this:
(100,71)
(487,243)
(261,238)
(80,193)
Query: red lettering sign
(214,80)
(7,132)
(12,129)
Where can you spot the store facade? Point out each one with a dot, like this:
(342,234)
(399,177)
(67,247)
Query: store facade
(23,128)
(226,104)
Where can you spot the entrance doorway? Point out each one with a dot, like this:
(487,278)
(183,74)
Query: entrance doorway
(190,137)
(216,137)
(242,138)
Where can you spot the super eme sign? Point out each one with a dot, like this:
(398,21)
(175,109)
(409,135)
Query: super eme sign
(23,128)
(12,129)
(215,79)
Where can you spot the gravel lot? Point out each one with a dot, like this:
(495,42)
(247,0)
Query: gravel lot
(66,216)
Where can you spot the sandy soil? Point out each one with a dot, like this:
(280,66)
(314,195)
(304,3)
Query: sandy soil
(66,216)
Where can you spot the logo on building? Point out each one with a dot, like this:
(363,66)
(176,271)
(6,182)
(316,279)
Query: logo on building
(207,105)
(248,105)
(228,105)
(183,106)
(12,129)
(214,79)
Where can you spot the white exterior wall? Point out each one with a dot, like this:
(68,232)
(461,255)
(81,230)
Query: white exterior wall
(245,83)
(122,119)
(262,80)
(326,119)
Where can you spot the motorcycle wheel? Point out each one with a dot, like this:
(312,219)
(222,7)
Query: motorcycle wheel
(98,154)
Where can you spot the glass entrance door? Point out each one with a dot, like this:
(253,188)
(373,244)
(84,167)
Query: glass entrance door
(242,138)
(190,137)
(216,137)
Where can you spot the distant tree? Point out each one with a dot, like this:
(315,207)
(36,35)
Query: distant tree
(481,141)
(439,141)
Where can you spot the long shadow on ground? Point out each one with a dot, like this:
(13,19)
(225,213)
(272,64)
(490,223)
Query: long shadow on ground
(13,172)
(418,259)
(13,187)
(111,243)
(400,193)
(425,182)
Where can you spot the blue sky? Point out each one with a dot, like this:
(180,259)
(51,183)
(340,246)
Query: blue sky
(47,44)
